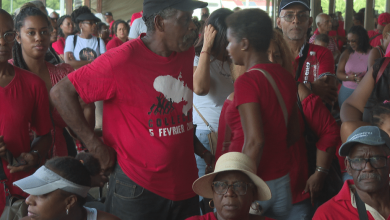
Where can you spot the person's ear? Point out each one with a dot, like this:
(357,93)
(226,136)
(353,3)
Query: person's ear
(347,167)
(18,39)
(278,22)
(159,23)
(244,44)
(70,201)
(310,21)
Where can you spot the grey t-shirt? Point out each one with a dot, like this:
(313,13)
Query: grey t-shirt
(137,28)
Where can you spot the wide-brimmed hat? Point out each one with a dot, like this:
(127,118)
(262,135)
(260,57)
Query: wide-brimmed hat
(232,161)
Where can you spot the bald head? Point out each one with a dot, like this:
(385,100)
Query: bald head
(324,23)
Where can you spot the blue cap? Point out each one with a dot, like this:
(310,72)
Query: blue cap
(285,3)
(369,135)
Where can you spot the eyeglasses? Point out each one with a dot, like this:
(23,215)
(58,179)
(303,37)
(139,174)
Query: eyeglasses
(377,162)
(89,23)
(239,188)
(9,37)
(301,17)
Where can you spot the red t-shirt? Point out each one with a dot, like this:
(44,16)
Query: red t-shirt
(324,57)
(147,115)
(340,207)
(251,87)
(115,42)
(223,131)
(208,216)
(326,129)
(59,46)
(24,103)
(377,40)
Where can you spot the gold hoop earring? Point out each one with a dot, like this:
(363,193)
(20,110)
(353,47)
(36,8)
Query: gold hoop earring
(243,49)
(210,204)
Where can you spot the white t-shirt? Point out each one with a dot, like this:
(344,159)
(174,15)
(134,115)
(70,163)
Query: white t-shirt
(137,28)
(91,213)
(210,105)
(86,49)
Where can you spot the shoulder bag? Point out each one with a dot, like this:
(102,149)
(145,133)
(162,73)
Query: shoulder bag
(213,135)
(15,207)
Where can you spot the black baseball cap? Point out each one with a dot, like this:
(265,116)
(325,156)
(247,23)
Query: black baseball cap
(285,3)
(108,14)
(153,6)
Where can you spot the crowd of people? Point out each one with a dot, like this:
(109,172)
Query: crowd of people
(198,119)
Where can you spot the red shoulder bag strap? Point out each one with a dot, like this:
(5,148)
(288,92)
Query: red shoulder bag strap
(382,69)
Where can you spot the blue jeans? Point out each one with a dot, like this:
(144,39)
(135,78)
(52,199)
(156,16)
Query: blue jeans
(301,211)
(279,206)
(128,200)
(344,94)
(203,138)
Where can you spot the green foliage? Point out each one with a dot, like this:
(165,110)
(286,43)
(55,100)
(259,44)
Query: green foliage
(6,4)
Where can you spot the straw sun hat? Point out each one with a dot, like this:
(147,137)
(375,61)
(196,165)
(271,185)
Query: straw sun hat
(232,161)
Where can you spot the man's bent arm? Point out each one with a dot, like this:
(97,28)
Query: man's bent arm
(66,99)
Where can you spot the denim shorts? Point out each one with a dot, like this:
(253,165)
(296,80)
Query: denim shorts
(128,200)
(279,206)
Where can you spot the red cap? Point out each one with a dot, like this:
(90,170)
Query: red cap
(384,19)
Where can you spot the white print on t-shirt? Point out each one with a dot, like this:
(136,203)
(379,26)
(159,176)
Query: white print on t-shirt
(171,91)
(174,90)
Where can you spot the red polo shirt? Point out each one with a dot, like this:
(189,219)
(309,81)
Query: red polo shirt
(324,57)
(343,206)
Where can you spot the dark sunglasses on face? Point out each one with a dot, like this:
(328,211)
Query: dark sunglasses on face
(89,23)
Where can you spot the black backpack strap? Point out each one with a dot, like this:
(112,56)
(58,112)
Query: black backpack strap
(2,173)
(74,41)
(302,60)
(98,49)
(361,207)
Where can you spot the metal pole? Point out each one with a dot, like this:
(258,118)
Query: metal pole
(99,6)
(388,6)
(369,16)
(331,6)
(69,7)
(12,10)
(274,12)
(62,8)
(348,14)
(315,6)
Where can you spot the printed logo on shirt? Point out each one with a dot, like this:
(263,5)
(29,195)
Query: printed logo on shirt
(172,91)
(87,54)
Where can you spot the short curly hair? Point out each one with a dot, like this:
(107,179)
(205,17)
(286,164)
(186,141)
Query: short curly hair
(165,14)
(254,25)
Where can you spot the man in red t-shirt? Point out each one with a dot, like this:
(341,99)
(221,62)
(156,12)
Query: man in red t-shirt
(24,104)
(367,152)
(376,35)
(147,116)
(294,20)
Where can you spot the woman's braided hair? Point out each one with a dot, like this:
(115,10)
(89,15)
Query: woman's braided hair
(26,10)
(59,23)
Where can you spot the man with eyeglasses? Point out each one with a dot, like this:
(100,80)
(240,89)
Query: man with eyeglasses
(367,196)
(294,21)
